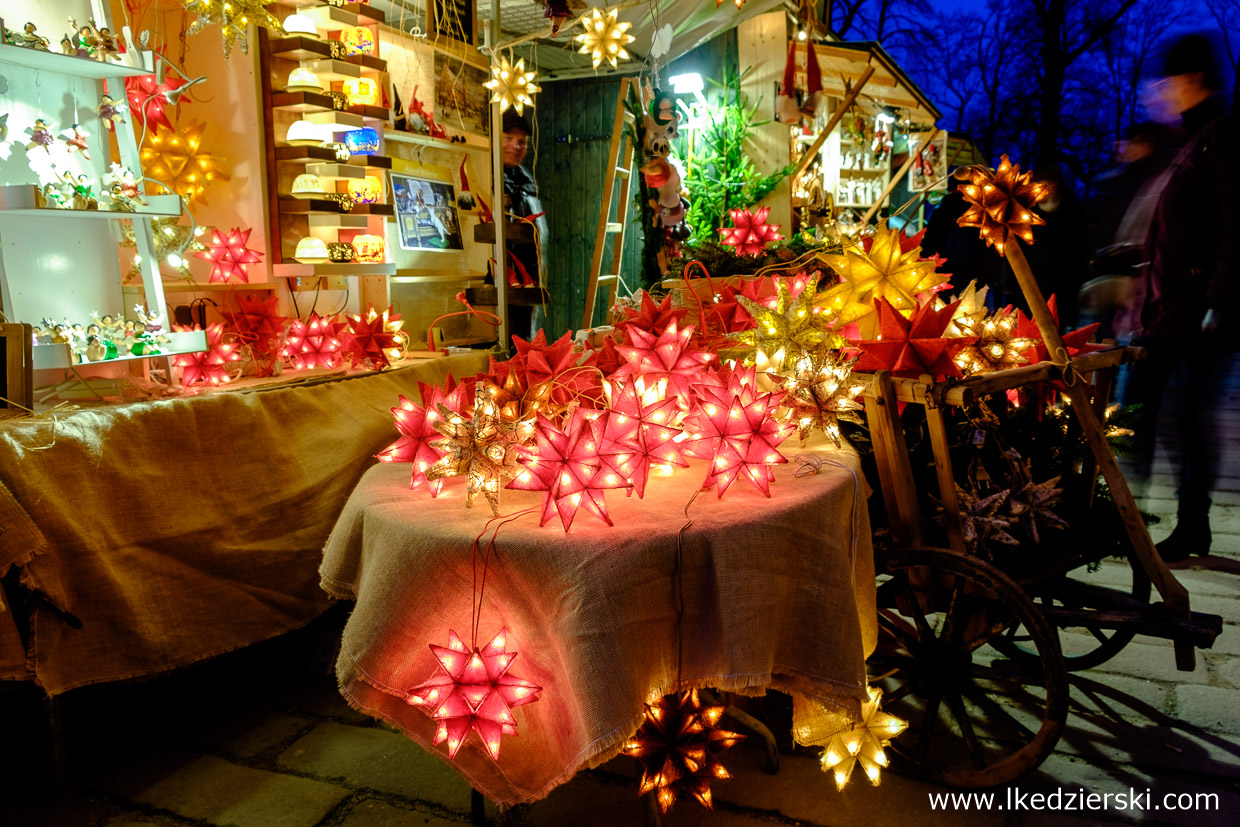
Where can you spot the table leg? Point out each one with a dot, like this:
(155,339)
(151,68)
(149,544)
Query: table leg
(477,808)
(650,809)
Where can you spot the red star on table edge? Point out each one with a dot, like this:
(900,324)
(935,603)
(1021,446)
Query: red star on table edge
(209,366)
(313,343)
(736,430)
(912,347)
(667,359)
(416,424)
(652,318)
(473,690)
(374,340)
(645,431)
(256,321)
(229,256)
(749,233)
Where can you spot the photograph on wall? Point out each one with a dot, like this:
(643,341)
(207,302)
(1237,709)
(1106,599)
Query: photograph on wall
(426,214)
(461,101)
(929,170)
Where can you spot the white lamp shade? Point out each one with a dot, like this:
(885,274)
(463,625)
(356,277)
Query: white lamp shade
(311,250)
(307,186)
(300,24)
(303,80)
(304,133)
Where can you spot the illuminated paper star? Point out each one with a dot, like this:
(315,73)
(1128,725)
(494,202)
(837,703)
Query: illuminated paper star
(256,321)
(1075,342)
(314,344)
(209,366)
(820,392)
(229,256)
(512,85)
(1001,203)
(996,345)
(645,431)
(148,100)
(727,309)
(666,364)
(737,432)
(550,375)
(603,38)
(652,318)
(234,18)
(179,160)
(789,328)
(375,340)
(416,424)
(473,690)
(912,347)
(749,233)
(887,266)
(677,745)
(970,309)
(173,242)
(863,743)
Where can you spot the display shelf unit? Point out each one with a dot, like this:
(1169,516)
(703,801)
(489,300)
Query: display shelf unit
(473,143)
(78,67)
(303,206)
(23,199)
(300,47)
(59,356)
(297,270)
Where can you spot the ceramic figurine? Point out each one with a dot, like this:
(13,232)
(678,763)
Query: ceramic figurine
(29,38)
(40,135)
(87,38)
(107,49)
(110,111)
(153,323)
(96,351)
(75,138)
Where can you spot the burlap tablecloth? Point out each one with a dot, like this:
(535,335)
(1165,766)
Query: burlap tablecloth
(778,593)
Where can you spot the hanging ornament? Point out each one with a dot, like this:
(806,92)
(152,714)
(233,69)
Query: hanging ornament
(234,18)
(173,243)
(888,266)
(820,392)
(75,140)
(40,136)
(863,743)
(229,256)
(416,424)
(647,431)
(912,347)
(209,366)
(179,161)
(788,327)
(313,343)
(149,100)
(995,346)
(512,85)
(473,691)
(736,430)
(749,233)
(677,745)
(1001,203)
(603,38)
(110,111)
(559,11)
(375,341)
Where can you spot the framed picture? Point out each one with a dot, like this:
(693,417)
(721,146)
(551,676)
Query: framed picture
(426,217)
(461,101)
(455,20)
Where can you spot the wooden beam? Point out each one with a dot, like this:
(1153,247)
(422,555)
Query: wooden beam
(895,179)
(836,117)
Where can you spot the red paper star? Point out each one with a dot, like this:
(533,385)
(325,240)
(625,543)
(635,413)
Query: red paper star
(749,233)
(473,690)
(1075,342)
(725,314)
(566,465)
(737,432)
(372,342)
(256,321)
(148,101)
(313,343)
(208,366)
(913,347)
(229,256)
(416,424)
(606,359)
(643,433)
(652,318)
(550,374)
(665,361)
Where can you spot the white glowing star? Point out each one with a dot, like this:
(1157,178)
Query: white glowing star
(603,38)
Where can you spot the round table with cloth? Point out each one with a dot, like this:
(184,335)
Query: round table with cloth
(778,593)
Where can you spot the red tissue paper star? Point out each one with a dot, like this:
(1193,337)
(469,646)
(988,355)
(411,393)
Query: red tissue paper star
(725,314)
(1075,342)
(566,464)
(652,318)
(550,373)
(606,359)
(473,690)
(211,365)
(737,432)
(749,233)
(913,347)
(416,424)
(373,341)
(256,321)
(148,101)
(643,434)
(313,343)
(664,365)
(229,255)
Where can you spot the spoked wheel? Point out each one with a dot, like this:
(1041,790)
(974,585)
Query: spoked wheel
(1084,644)
(975,718)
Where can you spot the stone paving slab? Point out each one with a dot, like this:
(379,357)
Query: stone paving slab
(1210,707)
(1154,661)
(372,812)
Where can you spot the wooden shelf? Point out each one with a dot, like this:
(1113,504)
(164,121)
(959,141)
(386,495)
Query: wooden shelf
(368,63)
(484,233)
(301,102)
(306,154)
(331,18)
(328,69)
(59,356)
(299,47)
(20,199)
(306,206)
(186,287)
(338,120)
(80,67)
(868,172)
(367,12)
(373,161)
(336,171)
(300,271)
(439,143)
(370,113)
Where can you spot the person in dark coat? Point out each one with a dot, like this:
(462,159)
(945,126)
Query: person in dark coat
(968,258)
(521,192)
(1059,254)
(1191,286)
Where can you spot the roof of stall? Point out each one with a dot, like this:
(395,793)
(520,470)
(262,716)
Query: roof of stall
(842,62)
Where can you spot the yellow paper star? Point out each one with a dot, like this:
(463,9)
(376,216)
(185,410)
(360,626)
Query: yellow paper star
(821,392)
(603,38)
(511,85)
(863,744)
(234,18)
(174,243)
(892,269)
(790,329)
(969,312)
(1001,203)
(178,160)
(997,348)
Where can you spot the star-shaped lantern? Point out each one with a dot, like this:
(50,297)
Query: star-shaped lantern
(863,743)
(820,392)
(229,256)
(736,430)
(173,244)
(996,345)
(234,18)
(912,347)
(314,344)
(256,321)
(473,690)
(179,160)
(375,340)
(645,429)
(148,100)
(416,424)
(678,746)
(1001,203)
(969,312)
(1033,504)
(1075,342)
(652,318)
(727,310)
(887,266)
(550,375)
(663,365)
(603,38)
(511,85)
(482,449)
(209,366)
(982,521)
(749,233)
(566,465)
(788,327)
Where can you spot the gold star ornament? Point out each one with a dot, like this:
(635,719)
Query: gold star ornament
(603,38)
(1001,203)
(997,346)
(789,328)
(511,85)
(820,392)
(863,744)
(234,18)
(178,160)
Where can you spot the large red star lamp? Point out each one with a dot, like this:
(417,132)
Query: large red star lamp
(913,347)
(749,233)
(664,365)
(416,424)
(373,341)
(313,343)
(737,432)
(209,366)
(473,690)
(647,432)
(229,255)
(148,101)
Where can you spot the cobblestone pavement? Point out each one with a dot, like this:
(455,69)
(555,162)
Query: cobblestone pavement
(258,739)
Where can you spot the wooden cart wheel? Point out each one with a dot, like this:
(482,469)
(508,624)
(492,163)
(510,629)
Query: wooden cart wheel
(976,719)
(1079,651)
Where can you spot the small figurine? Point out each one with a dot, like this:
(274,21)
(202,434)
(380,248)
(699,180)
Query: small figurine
(124,184)
(107,48)
(53,197)
(129,329)
(75,138)
(86,40)
(557,11)
(153,323)
(67,47)
(40,135)
(96,350)
(83,194)
(4,126)
(29,38)
(110,111)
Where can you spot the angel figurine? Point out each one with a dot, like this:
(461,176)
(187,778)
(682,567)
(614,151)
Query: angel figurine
(29,38)
(152,324)
(107,48)
(75,139)
(124,187)
(40,135)
(86,39)
(111,112)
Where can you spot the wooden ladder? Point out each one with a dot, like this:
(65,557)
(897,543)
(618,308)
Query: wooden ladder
(621,147)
